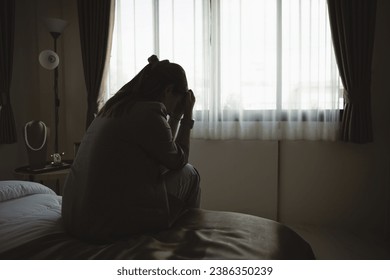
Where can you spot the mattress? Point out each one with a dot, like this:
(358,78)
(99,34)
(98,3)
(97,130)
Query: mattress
(31,228)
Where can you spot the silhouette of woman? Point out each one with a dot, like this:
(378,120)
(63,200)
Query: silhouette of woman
(131,173)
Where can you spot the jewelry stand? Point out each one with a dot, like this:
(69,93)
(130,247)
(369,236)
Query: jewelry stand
(35,135)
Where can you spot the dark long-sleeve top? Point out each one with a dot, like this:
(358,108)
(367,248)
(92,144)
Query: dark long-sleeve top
(115,185)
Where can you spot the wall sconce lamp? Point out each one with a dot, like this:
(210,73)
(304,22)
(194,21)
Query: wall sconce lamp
(50,60)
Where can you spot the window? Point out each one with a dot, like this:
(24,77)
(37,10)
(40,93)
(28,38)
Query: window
(260,69)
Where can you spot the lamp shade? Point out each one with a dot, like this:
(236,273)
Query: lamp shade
(49,59)
(55,24)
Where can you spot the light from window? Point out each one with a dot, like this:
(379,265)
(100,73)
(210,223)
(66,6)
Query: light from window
(238,54)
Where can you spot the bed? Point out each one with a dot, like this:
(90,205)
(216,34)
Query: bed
(31,228)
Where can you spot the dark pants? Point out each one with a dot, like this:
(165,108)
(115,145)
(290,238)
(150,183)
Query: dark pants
(184,185)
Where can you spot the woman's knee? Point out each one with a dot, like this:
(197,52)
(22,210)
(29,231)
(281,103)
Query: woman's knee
(183,182)
(186,172)
(193,199)
(192,172)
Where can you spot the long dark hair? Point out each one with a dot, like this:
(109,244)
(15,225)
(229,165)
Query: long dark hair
(147,85)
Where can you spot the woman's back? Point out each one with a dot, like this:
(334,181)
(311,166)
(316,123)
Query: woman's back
(115,185)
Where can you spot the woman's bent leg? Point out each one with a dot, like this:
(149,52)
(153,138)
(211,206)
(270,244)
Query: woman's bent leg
(184,185)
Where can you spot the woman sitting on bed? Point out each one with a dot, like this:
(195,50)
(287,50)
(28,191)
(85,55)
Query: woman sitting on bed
(131,173)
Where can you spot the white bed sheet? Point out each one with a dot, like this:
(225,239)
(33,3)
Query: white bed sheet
(28,216)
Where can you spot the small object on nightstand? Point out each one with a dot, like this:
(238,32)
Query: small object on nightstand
(57,159)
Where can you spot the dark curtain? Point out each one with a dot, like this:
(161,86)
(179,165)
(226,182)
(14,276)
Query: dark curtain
(7,28)
(94,21)
(352,25)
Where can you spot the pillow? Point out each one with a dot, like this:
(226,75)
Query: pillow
(14,189)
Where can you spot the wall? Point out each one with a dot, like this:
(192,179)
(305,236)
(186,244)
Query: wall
(32,93)
(238,175)
(381,101)
(25,84)
(322,183)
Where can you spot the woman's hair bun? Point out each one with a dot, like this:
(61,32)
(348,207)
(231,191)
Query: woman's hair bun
(153,59)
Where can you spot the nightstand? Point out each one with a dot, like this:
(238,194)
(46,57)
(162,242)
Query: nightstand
(43,175)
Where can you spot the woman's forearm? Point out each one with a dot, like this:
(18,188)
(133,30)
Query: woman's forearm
(183,136)
(173,123)
(186,123)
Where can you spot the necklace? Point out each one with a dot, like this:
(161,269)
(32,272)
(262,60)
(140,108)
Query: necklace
(26,138)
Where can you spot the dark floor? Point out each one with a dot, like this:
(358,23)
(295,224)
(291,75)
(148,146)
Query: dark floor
(335,244)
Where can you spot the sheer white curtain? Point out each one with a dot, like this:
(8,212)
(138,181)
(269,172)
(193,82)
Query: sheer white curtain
(260,69)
